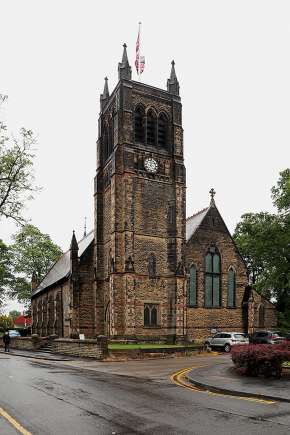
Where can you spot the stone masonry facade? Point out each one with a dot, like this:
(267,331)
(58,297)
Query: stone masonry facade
(131,277)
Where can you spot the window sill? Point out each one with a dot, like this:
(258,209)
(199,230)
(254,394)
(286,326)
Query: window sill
(231,308)
(152,327)
(192,306)
(213,308)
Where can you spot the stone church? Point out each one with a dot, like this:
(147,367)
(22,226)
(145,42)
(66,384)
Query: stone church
(146,272)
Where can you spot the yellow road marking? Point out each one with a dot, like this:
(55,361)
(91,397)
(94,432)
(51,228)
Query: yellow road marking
(178,378)
(14,423)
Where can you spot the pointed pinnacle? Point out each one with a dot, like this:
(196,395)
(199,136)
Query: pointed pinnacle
(106,89)
(74,243)
(125,56)
(173,77)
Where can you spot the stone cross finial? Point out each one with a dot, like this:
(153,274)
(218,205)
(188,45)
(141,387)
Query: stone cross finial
(212,193)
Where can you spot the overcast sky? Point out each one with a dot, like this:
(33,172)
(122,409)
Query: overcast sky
(233,64)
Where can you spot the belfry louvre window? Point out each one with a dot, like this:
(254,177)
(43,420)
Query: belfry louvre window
(162,130)
(139,125)
(231,288)
(192,294)
(212,297)
(151,128)
(150,315)
(106,142)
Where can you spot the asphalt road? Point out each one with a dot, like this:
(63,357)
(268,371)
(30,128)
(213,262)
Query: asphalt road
(122,398)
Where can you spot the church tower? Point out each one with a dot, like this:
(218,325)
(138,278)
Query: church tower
(140,210)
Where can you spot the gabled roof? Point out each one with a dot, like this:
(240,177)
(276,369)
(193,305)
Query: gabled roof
(194,221)
(61,269)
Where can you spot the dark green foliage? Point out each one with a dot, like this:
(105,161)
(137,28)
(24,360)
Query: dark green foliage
(6,322)
(5,270)
(264,242)
(32,252)
(281,192)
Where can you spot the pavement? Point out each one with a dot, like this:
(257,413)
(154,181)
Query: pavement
(131,397)
(36,355)
(211,372)
(220,376)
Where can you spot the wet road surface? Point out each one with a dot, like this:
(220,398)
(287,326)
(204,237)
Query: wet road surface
(58,399)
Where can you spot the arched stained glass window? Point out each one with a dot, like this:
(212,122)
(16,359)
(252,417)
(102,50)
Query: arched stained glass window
(151,128)
(150,315)
(139,124)
(212,297)
(231,288)
(146,315)
(192,293)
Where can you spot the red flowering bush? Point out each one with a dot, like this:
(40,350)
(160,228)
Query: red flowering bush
(261,359)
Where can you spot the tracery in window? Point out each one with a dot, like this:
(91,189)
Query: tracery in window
(212,278)
(150,315)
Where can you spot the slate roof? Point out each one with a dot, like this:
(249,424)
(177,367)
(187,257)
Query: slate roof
(194,221)
(61,269)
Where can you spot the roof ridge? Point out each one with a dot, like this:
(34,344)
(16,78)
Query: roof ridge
(197,213)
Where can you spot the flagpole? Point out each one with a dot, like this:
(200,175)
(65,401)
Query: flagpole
(139,58)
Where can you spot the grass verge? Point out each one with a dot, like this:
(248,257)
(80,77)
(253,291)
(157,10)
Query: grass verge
(134,346)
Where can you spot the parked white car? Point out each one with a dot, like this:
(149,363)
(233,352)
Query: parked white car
(226,340)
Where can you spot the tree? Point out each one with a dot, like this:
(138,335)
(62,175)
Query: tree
(281,192)
(5,269)
(264,241)
(32,253)
(6,322)
(16,173)
(14,314)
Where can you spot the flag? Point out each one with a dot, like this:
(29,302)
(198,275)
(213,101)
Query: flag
(140,60)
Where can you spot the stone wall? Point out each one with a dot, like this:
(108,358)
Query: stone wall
(140,221)
(265,314)
(25,343)
(200,319)
(97,349)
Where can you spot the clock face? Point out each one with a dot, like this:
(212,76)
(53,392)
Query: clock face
(151,165)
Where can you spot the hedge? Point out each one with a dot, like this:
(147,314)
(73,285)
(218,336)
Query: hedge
(261,359)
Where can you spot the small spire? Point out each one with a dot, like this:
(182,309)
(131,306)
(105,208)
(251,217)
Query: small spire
(105,95)
(125,56)
(212,193)
(85,227)
(106,89)
(172,82)
(74,244)
(124,69)
(173,73)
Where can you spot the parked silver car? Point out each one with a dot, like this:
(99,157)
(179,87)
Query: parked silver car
(226,340)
